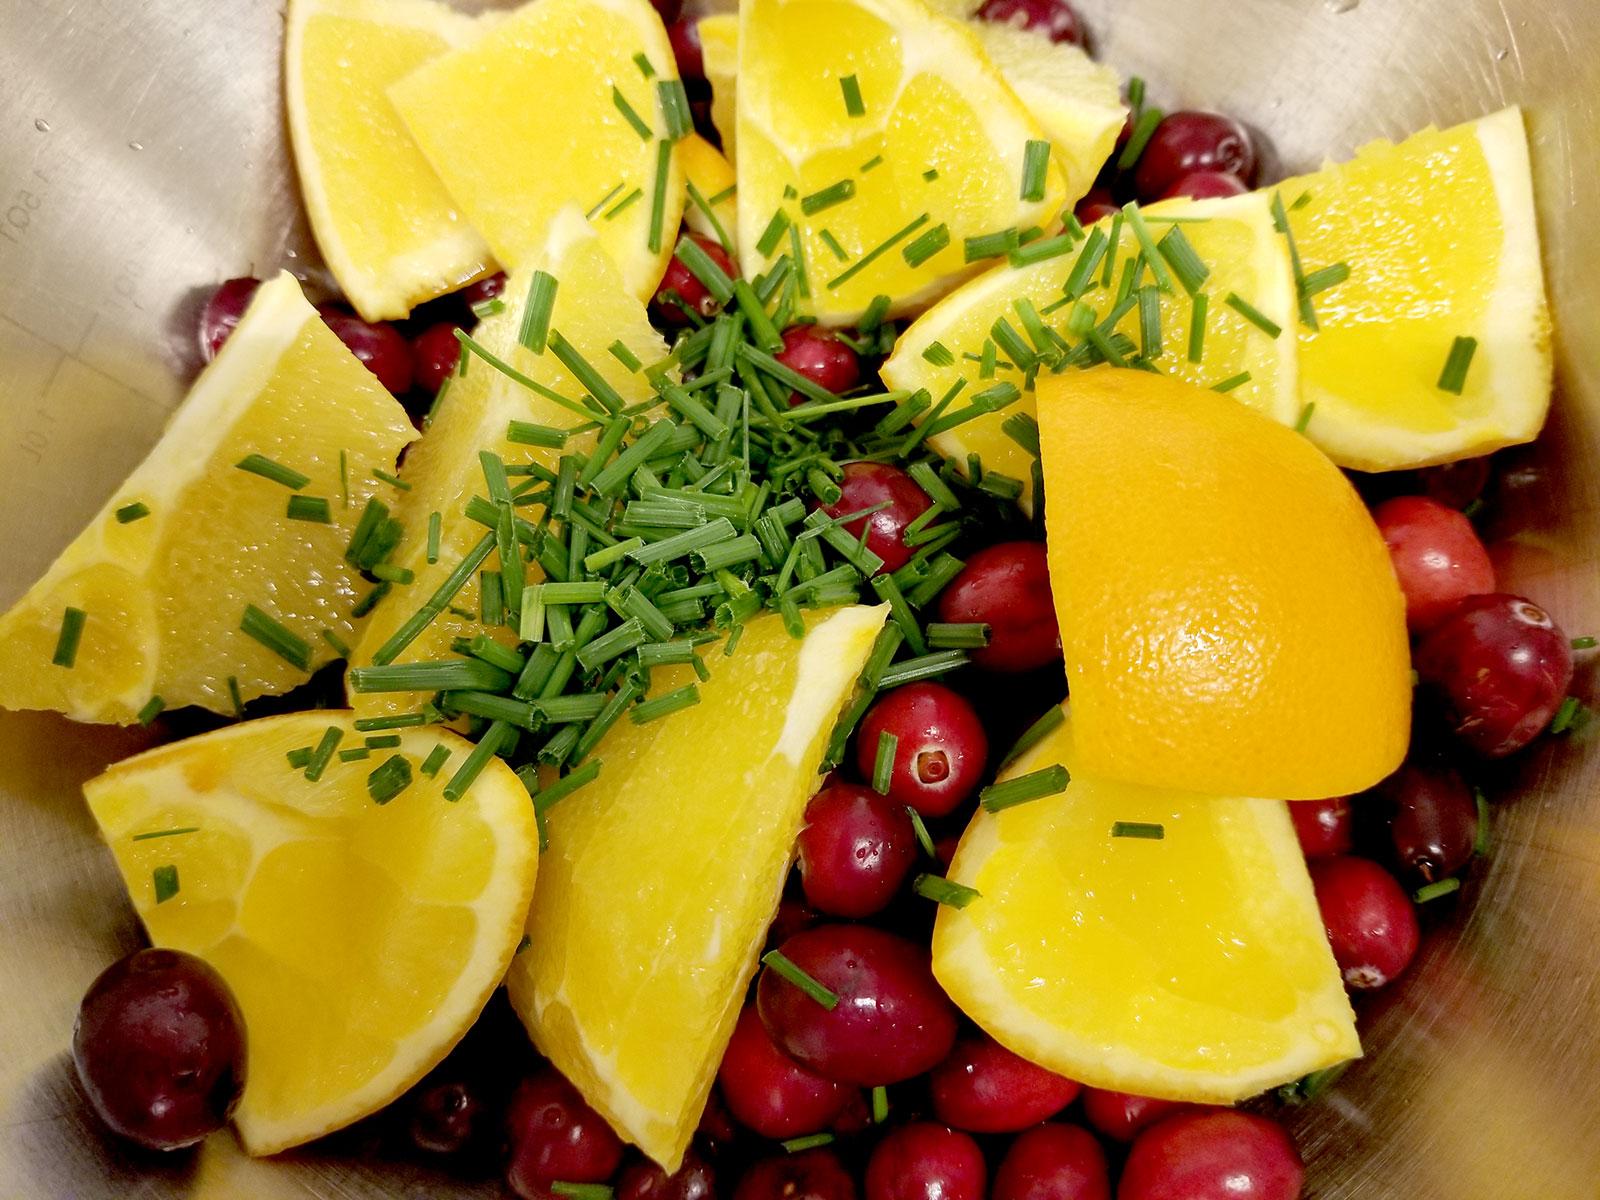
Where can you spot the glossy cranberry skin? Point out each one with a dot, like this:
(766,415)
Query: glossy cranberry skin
(380,347)
(1007,587)
(1433,824)
(1370,921)
(924,1161)
(1324,827)
(434,355)
(1213,1156)
(791,918)
(481,291)
(940,749)
(668,9)
(694,1180)
(684,34)
(1456,484)
(1436,554)
(556,1137)
(223,309)
(159,1046)
(820,357)
(448,1117)
(1096,206)
(1053,1162)
(768,1091)
(1056,19)
(679,287)
(867,484)
(1500,667)
(892,1020)
(855,850)
(1121,1115)
(985,1088)
(1207,185)
(1186,142)
(809,1175)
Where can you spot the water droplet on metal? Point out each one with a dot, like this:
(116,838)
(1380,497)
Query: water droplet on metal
(1341,6)
(41,125)
(1501,55)
(135,145)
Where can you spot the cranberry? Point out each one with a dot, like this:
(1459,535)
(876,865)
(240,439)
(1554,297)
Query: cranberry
(1053,18)
(1053,1162)
(866,484)
(679,288)
(856,1117)
(1120,1115)
(1434,824)
(1213,1156)
(434,355)
(1437,555)
(684,34)
(820,357)
(716,1125)
(768,1091)
(1324,827)
(481,291)
(791,918)
(555,1136)
(924,1161)
(447,1117)
(809,1175)
(223,309)
(380,348)
(1207,185)
(1186,142)
(892,1020)
(1098,205)
(668,9)
(985,1088)
(855,850)
(1371,924)
(1007,588)
(694,1180)
(940,747)
(159,1046)
(1501,667)
(1457,484)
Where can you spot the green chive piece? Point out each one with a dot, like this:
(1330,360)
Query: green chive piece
(389,779)
(944,891)
(1186,264)
(1035,785)
(336,643)
(299,758)
(582,1191)
(1149,323)
(883,765)
(1319,281)
(398,721)
(809,1142)
(880,1105)
(323,752)
(783,967)
(1144,128)
(624,204)
(382,741)
(674,101)
(584,372)
(309,508)
(1042,250)
(1138,829)
(832,243)
(939,355)
(392,480)
(875,161)
(966,635)
(1232,382)
(1583,643)
(152,709)
(527,433)
(851,87)
(354,754)
(1280,222)
(1480,844)
(129,513)
(72,622)
(436,604)
(260,464)
(533,385)
(926,245)
(1306,413)
(658,196)
(499,735)
(930,175)
(1436,889)
(1567,715)
(165,881)
(272,634)
(1197,327)
(770,237)
(569,783)
(991,245)
(1035,169)
(665,705)
(619,350)
(161,833)
(826,198)
(926,666)
(437,757)
(1151,254)
(444,675)
(1453,378)
(708,210)
(878,251)
(234,697)
(535,328)
(1254,315)
(1308,1087)
(646,67)
(630,114)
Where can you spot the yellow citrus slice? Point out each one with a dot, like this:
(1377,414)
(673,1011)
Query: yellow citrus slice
(719,53)
(592,311)
(1235,242)
(550,108)
(361,927)
(1231,621)
(1442,243)
(886,128)
(386,227)
(1145,941)
(711,175)
(198,536)
(663,874)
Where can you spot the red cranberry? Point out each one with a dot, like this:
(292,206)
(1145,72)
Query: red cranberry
(481,291)
(809,1175)
(1213,1156)
(1120,1115)
(684,34)
(1501,668)
(1456,484)
(924,1161)
(159,1046)
(694,1180)
(1053,18)
(856,1117)
(447,1117)
(668,9)
(768,1091)
(1098,205)
(679,288)
(892,1020)
(434,355)
(556,1137)
(1324,827)
(1434,824)
(866,484)
(1207,185)
(380,348)
(792,917)
(940,749)
(945,848)
(1371,924)
(985,1088)
(1437,555)
(716,1125)
(820,357)
(1007,588)
(1053,1162)
(222,312)
(1186,142)
(855,850)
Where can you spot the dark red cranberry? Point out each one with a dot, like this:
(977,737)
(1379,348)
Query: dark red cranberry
(891,1021)
(945,848)
(668,9)
(1500,667)
(866,485)
(693,1180)
(1433,825)
(380,347)
(855,850)
(924,1161)
(809,1175)
(1007,587)
(1186,142)
(1053,1162)
(820,357)
(768,1091)
(684,34)
(222,312)
(792,917)
(1324,827)
(716,1123)
(1213,1156)
(1436,554)
(1457,484)
(1206,185)
(448,1117)
(680,289)
(434,355)
(556,1137)
(159,1046)
(1120,1115)
(940,748)
(856,1117)
(481,291)
(1098,205)
(985,1088)
(1370,921)
(1053,18)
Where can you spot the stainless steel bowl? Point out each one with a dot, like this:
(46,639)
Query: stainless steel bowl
(142,158)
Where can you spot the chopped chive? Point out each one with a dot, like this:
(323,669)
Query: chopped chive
(1308,1087)
(1149,323)
(499,735)
(630,114)
(1144,127)
(1197,327)
(442,675)
(584,372)
(622,206)
(1453,378)
(389,779)
(990,245)
(1253,314)
(322,754)
(1042,250)
(1306,413)
(382,741)
(1047,781)
(619,351)
(437,757)
(234,697)
(920,828)
(392,480)
(162,833)
(1318,281)
(646,67)
(938,354)
(129,513)
(826,198)
(772,234)
(1232,382)
(925,666)
(1147,830)
(1583,643)
(1436,889)
(658,196)
(1023,430)
(1035,169)
(832,243)
(309,508)
(781,966)
(1300,202)
(675,112)
(165,881)
(851,87)
(152,709)
(260,464)
(685,697)
(965,635)
(298,758)
(484,309)
(930,175)
(535,328)
(875,161)
(337,643)
(582,1191)
(880,1104)
(1280,222)
(72,622)
(944,891)
(926,245)
(1567,715)
(1480,844)
(809,1142)
(275,636)
(398,721)
(883,764)
(1134,219)
(1047,724)
(1186,264)
(878,251)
